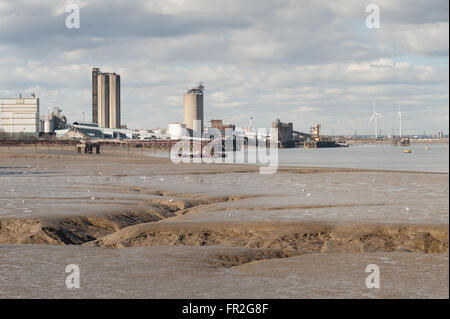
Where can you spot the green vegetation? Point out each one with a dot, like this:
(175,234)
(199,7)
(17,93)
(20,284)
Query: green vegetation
(4,136)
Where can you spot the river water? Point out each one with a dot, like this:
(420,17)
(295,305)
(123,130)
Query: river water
(371,156)
(365,156)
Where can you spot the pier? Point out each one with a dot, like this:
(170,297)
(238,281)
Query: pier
(401,142)
(88,147)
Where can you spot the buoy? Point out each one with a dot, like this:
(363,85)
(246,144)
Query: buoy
(407,151)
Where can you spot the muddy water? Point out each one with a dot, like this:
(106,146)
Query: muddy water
(190,272)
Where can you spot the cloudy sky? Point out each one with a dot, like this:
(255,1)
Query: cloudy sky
(301,61)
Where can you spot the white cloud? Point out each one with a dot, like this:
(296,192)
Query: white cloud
(295,60)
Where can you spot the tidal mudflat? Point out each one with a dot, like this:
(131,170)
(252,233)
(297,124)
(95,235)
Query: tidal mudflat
(147,228)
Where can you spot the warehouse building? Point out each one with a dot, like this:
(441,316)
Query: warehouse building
(19,115)
(218,124)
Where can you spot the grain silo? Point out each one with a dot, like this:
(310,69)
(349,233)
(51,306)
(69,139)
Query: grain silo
(193,109)
(114,100)
(105,99)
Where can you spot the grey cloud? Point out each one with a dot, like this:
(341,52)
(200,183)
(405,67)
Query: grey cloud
(304,61)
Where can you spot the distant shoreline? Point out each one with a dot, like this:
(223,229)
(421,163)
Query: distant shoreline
(389,141)
(137,158)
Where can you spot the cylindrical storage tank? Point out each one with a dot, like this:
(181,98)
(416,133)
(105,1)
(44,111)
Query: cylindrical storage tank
(193,109)
(48,126)
(114,100)
(176,130)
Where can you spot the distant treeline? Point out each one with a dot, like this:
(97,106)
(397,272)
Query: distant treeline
(17,137)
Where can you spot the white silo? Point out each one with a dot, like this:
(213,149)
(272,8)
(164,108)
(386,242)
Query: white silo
(176,130)
(48,126)
(193,108)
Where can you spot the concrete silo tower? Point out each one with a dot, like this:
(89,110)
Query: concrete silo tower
(105,99)
(193,108)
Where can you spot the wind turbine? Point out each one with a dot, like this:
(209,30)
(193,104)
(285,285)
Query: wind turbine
(375,116)
(399,117)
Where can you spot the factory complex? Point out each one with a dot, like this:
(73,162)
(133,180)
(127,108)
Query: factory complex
(106,115)
(22,116)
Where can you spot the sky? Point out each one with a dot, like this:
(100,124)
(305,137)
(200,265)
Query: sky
(304,62)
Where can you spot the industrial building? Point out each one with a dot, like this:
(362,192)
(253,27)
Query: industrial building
(193,109)
(285,133)
(218,124)
(53,121)
(79,130)
(105,99)
(19,115)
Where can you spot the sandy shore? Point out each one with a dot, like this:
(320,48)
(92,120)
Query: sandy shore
(144,227)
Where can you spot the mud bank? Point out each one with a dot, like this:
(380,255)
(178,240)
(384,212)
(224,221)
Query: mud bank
(288,237)
(181,219)
(74,230)
(80,229)
(158,226)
